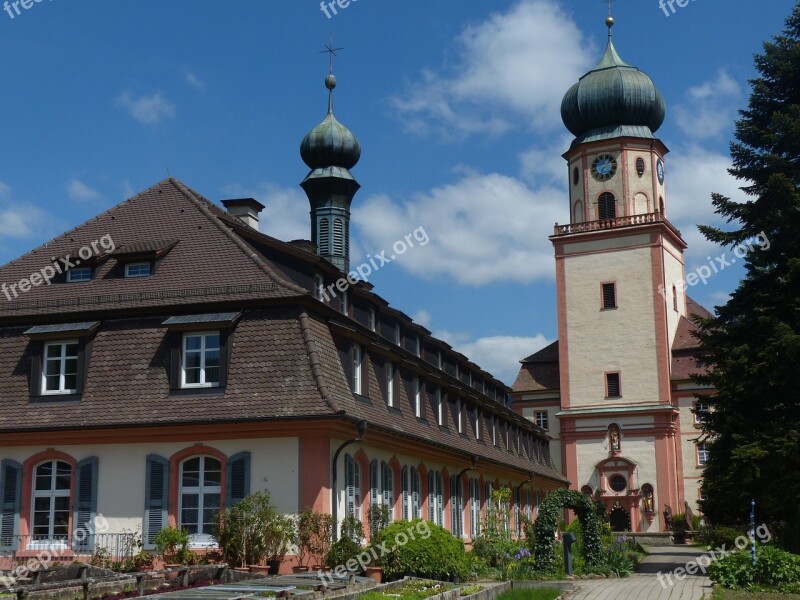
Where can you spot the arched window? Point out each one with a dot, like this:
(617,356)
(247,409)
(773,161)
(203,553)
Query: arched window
(352,483)
(456,507)
(577,212)
(435,498)
(51,500)
(200,494)
(606,206)
(474,508)
(640,166)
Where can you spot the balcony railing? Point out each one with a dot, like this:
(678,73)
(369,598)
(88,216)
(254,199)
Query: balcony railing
(112,546)
(602,224)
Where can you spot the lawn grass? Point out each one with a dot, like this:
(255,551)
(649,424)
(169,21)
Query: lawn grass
(530,594)
(721,593)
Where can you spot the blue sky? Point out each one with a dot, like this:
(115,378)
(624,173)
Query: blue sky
(456,106)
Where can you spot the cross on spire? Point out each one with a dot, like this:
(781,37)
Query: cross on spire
(331,51)
(610,3)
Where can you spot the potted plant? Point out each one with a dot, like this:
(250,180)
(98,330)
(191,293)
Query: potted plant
(379,518)
(173,546)
(314,533)
(679,528)
(348,546)
(278,534)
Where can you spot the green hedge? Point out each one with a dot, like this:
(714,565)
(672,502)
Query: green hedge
(774,567)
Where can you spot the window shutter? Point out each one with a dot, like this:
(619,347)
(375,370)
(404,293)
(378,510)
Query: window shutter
(10,495)
(440,498)
(388,487)
(175,348)
(225,351)
(431,497)
(609,295)
(156,499)
(85,504)
(349,470)
(237,486)
(374,491)
(406,491)
(324,236)
(37,348)
(84,354)
(338,237)
(415,485)
(453,508)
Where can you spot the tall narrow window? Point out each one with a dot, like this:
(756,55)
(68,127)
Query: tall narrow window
(609,291)
(702,454)
(201,352)
(476,423)
(675,298)
(613,388)
(324,237)
(51,501)
(200,495)
(417,398)
(474,508)
(338,237)
(352,482)
(372,320)
(60,373)
(540,417)
(700,412)
(390,384)
(607,206)
(435,498)
(387,488)
(411,490)
(459,416)
(357,369)
(437,401)
(456,507)
(319,287)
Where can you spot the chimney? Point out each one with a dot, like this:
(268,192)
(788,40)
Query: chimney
(245,209)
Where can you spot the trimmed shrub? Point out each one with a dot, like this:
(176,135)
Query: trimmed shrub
(719,537)
(774,567)
(422,549)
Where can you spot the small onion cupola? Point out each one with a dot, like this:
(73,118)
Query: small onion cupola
(330,150)
(613,100)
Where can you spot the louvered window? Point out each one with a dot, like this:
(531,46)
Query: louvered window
(324,241)
(435,498)
(613,388)
(338,237)
(456,507)
(609,296)
(474,507)
(10,496)
(607,206)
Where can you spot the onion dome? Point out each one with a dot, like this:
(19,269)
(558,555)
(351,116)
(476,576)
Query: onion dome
(330,144)
(612,100)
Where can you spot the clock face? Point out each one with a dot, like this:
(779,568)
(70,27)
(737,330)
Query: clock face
(660,170)
(604,167)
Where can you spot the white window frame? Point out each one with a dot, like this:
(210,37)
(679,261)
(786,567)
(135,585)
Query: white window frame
(62,360)
(437,398)
(199,539)
(357,357)
(344,303)
(390,384)
(459,416)
(319,288)
(698,420)
(702,454)
(130,273)
(204,335)
(476,423)
(52,493)
(72,275)
(474,507)
(436,499)
(542,419)
(417,397)
(373,320)
(419,346)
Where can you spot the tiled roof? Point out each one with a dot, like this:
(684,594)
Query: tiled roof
(210,264)
(539,371)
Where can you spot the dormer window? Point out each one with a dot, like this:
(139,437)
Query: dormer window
(138,269)
(79,274)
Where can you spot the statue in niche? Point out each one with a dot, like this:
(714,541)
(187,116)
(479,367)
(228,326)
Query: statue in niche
(613,438)
(648,501)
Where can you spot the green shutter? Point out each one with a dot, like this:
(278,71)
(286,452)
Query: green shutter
(238,479)
(85,505)
(10,495)
(156,499)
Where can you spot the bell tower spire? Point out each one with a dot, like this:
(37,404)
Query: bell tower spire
(330,150)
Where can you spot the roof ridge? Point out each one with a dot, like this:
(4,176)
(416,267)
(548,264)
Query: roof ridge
(200,202)
(316,363)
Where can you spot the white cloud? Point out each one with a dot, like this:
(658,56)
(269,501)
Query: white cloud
(422,317)
(149,110)
(522,60)
(24,220)
(127,189)
(194,81)
(286,214)
(499,355)
(80,192)
(5,191)
(710,108)
(482,228)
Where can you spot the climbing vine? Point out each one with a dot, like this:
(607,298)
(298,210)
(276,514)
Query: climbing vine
(544,529)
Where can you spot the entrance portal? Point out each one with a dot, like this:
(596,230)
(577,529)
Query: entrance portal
(620,519)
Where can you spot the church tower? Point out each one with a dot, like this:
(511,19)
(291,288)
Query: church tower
(330,150)
(618,311)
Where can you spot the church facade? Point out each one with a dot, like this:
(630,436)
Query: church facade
(615,391)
